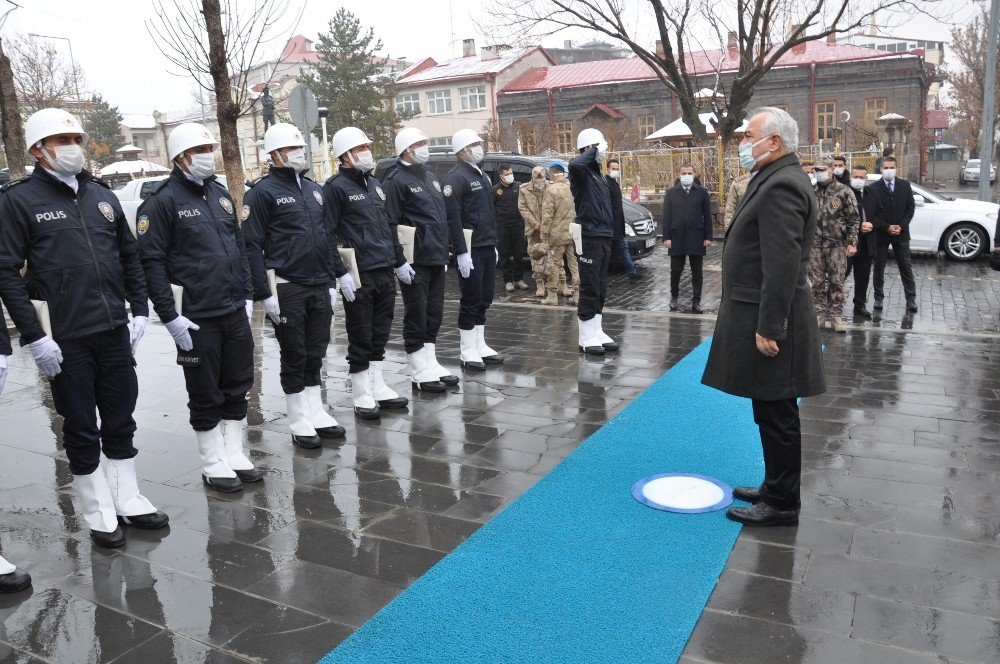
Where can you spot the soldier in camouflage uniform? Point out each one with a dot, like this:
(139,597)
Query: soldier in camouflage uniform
(837,222)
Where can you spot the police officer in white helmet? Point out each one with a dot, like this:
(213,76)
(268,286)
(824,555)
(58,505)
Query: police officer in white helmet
(285,231)
(354,205)
(83,266)
(189,237)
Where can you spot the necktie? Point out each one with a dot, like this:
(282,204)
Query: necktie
(892,186)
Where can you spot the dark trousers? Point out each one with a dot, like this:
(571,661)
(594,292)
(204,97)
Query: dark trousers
(677,267)
(621,246)
(424,307)
(303,335)
(477,290)
(781,437)
(98,376)
(901,250)
(369,318)
(513,248)
(593,276)
(861,263)
(218,371)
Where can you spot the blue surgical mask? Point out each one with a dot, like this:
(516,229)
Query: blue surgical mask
(747,160)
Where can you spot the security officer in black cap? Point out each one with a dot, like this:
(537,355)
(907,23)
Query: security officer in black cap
(285,232)
(83,266)
(414,200)
(191,244)
(354,205)
(469,199)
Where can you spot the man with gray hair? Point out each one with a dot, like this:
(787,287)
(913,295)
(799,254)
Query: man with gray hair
(766,344)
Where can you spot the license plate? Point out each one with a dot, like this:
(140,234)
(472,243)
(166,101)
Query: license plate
(650,243)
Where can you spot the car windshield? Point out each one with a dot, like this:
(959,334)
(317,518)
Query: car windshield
(934,198)
(973,163)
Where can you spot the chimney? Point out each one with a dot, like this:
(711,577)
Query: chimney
(567,43)
(792,29)
(734,41)
(659,49)
(872,28)
(831,38)
(468,48)
(489,53)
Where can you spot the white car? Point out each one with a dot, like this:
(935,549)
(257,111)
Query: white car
(132,193)
(963,228)
(970,172)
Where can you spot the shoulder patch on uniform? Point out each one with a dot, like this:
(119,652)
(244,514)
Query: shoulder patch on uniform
(835,203)
(499,191)
(447,190)
(245,213)
(318,196)
(381,194)
(226,204)
(142,224)
(437,185)
(106,210)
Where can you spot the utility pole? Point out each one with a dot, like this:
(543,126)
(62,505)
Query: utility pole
(989,93)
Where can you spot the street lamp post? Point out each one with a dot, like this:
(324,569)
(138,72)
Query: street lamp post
(989,91)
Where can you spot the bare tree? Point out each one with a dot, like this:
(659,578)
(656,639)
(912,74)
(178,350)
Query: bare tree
(968,44)
(11,130)
(754,34)
(41,77)
(217,43)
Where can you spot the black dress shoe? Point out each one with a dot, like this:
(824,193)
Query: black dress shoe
(111,540)
(14,582)
(673,304)
(398,402)
(430,386)
(152,521)
(449,380)
(610,346)
(760,514)
(223,484)
(696,308)
(368,413)
(306,442)
(860,313)
(911,307)
(473,366)
(336,431)
(492,359)
(878,305)
(592,350)
(749,494)
(249,476)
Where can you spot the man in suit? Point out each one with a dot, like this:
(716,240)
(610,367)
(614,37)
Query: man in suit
(618,241)
(862,261)
(893,213)
(687,233)
(766,344)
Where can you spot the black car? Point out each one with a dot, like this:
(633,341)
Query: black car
(640,227)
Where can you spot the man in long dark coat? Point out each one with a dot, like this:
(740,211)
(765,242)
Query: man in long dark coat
(687,233)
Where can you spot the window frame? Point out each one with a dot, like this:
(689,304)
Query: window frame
(434,96)
(825,131)
(870,126)
(650,126)
(411,103)
(466,95)
(564,129)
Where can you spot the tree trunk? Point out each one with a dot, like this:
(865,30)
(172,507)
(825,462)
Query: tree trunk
(12,131)
(226,110)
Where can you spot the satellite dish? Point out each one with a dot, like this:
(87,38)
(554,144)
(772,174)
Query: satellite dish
(846,116)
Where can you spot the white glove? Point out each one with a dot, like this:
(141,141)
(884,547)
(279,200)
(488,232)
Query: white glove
(405,273)
(498,255)
(3,371)
(333,298)
(249,309)
(464,264)
(48,355)
(138,329)
(446,268)
(347,286)
(272,310)
(178,329)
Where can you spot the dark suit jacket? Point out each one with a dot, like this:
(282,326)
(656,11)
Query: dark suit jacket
(867,207)
(617,209)
(765,291)
(687,220)
(893,209)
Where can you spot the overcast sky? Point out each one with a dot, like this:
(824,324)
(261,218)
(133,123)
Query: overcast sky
(120,60)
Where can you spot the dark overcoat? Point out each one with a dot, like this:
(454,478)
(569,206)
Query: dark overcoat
(765,291)
(687,220)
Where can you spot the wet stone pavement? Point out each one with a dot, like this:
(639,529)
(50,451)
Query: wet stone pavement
(896,558)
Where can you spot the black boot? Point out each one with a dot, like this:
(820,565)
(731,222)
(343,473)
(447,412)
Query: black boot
(223,484)
(332,432)
(15,581)
(673,303)
(860,313)
(111,540)
(696,307)
(152,521)
(430,386)
(249,476)
(305,442)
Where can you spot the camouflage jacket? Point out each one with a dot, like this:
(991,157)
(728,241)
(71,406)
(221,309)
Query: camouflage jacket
(837,218)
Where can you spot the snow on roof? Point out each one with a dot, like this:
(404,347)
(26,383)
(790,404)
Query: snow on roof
(128,149)
(133,167)
(892,116)
(704,62)
(138,121)
(678,129)
(471,67)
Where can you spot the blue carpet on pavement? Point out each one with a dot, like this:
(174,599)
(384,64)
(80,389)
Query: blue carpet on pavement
(576,570)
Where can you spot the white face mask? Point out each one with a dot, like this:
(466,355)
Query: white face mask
(68,159)
(508,179)
(420,155)
(296,160)
(858,183)
(838,171)
(476,154)
(812,178)
(201,165)
(364,161)
(889,173)
(615,174)
(687,180)
(822,176)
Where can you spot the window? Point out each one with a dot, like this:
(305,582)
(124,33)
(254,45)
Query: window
(151,147)
(646,125)
(874,109)
(826,120)
(528,145)
(439,102)
(408,103)
(564,136)
(440,141)
(473,99)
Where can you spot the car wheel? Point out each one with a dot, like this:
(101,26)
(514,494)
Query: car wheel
(964,242)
